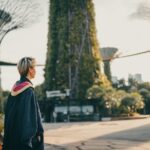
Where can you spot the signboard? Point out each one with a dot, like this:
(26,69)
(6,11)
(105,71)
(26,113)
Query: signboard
(62,109)
(57,93)
(86,109)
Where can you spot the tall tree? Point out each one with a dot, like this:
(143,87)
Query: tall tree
(73,57)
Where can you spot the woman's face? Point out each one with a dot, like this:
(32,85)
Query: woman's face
(32,72)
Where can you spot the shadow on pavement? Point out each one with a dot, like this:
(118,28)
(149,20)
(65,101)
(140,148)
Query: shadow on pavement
(119,140)
(122,140)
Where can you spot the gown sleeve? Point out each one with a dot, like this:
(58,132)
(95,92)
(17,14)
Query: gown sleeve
(29,118)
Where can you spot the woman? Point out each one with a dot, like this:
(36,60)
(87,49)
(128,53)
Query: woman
(23,128)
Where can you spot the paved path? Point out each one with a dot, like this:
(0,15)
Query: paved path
(113,135)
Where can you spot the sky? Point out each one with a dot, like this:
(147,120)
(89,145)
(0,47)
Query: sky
(124,24)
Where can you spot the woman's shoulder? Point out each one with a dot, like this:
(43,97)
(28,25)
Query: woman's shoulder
(22,87)
(29,90)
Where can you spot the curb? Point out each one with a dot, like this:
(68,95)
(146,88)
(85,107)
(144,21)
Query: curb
(125,118)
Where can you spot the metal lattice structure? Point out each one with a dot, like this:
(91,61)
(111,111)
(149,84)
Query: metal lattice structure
(16,14)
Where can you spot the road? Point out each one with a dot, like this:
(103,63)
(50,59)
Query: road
(111,135)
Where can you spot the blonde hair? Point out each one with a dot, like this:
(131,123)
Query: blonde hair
(24,64)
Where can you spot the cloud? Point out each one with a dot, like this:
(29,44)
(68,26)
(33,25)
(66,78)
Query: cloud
(142,11)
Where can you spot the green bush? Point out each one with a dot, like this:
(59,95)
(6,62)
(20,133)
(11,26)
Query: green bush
(131,103)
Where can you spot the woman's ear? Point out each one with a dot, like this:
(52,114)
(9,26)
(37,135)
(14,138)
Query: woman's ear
(29,73)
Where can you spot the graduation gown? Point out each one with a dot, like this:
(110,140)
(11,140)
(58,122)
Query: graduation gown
(23,128)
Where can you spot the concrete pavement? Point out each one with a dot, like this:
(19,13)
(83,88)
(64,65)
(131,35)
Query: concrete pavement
(118,135)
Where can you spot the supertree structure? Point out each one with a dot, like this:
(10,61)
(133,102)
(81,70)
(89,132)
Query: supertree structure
(16,14)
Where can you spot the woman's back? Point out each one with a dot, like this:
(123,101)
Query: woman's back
(23,128)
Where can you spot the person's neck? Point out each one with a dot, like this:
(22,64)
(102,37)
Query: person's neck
(28,77)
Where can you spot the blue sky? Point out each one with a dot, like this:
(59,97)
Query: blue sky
(116,27)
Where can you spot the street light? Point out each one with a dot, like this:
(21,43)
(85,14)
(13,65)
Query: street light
(68,104)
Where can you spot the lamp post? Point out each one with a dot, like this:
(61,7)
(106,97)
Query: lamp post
(68,104)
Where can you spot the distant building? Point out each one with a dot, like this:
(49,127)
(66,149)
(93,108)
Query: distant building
(130,76)
(114,79)
(137,77)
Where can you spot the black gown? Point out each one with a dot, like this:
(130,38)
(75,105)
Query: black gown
(23,128)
